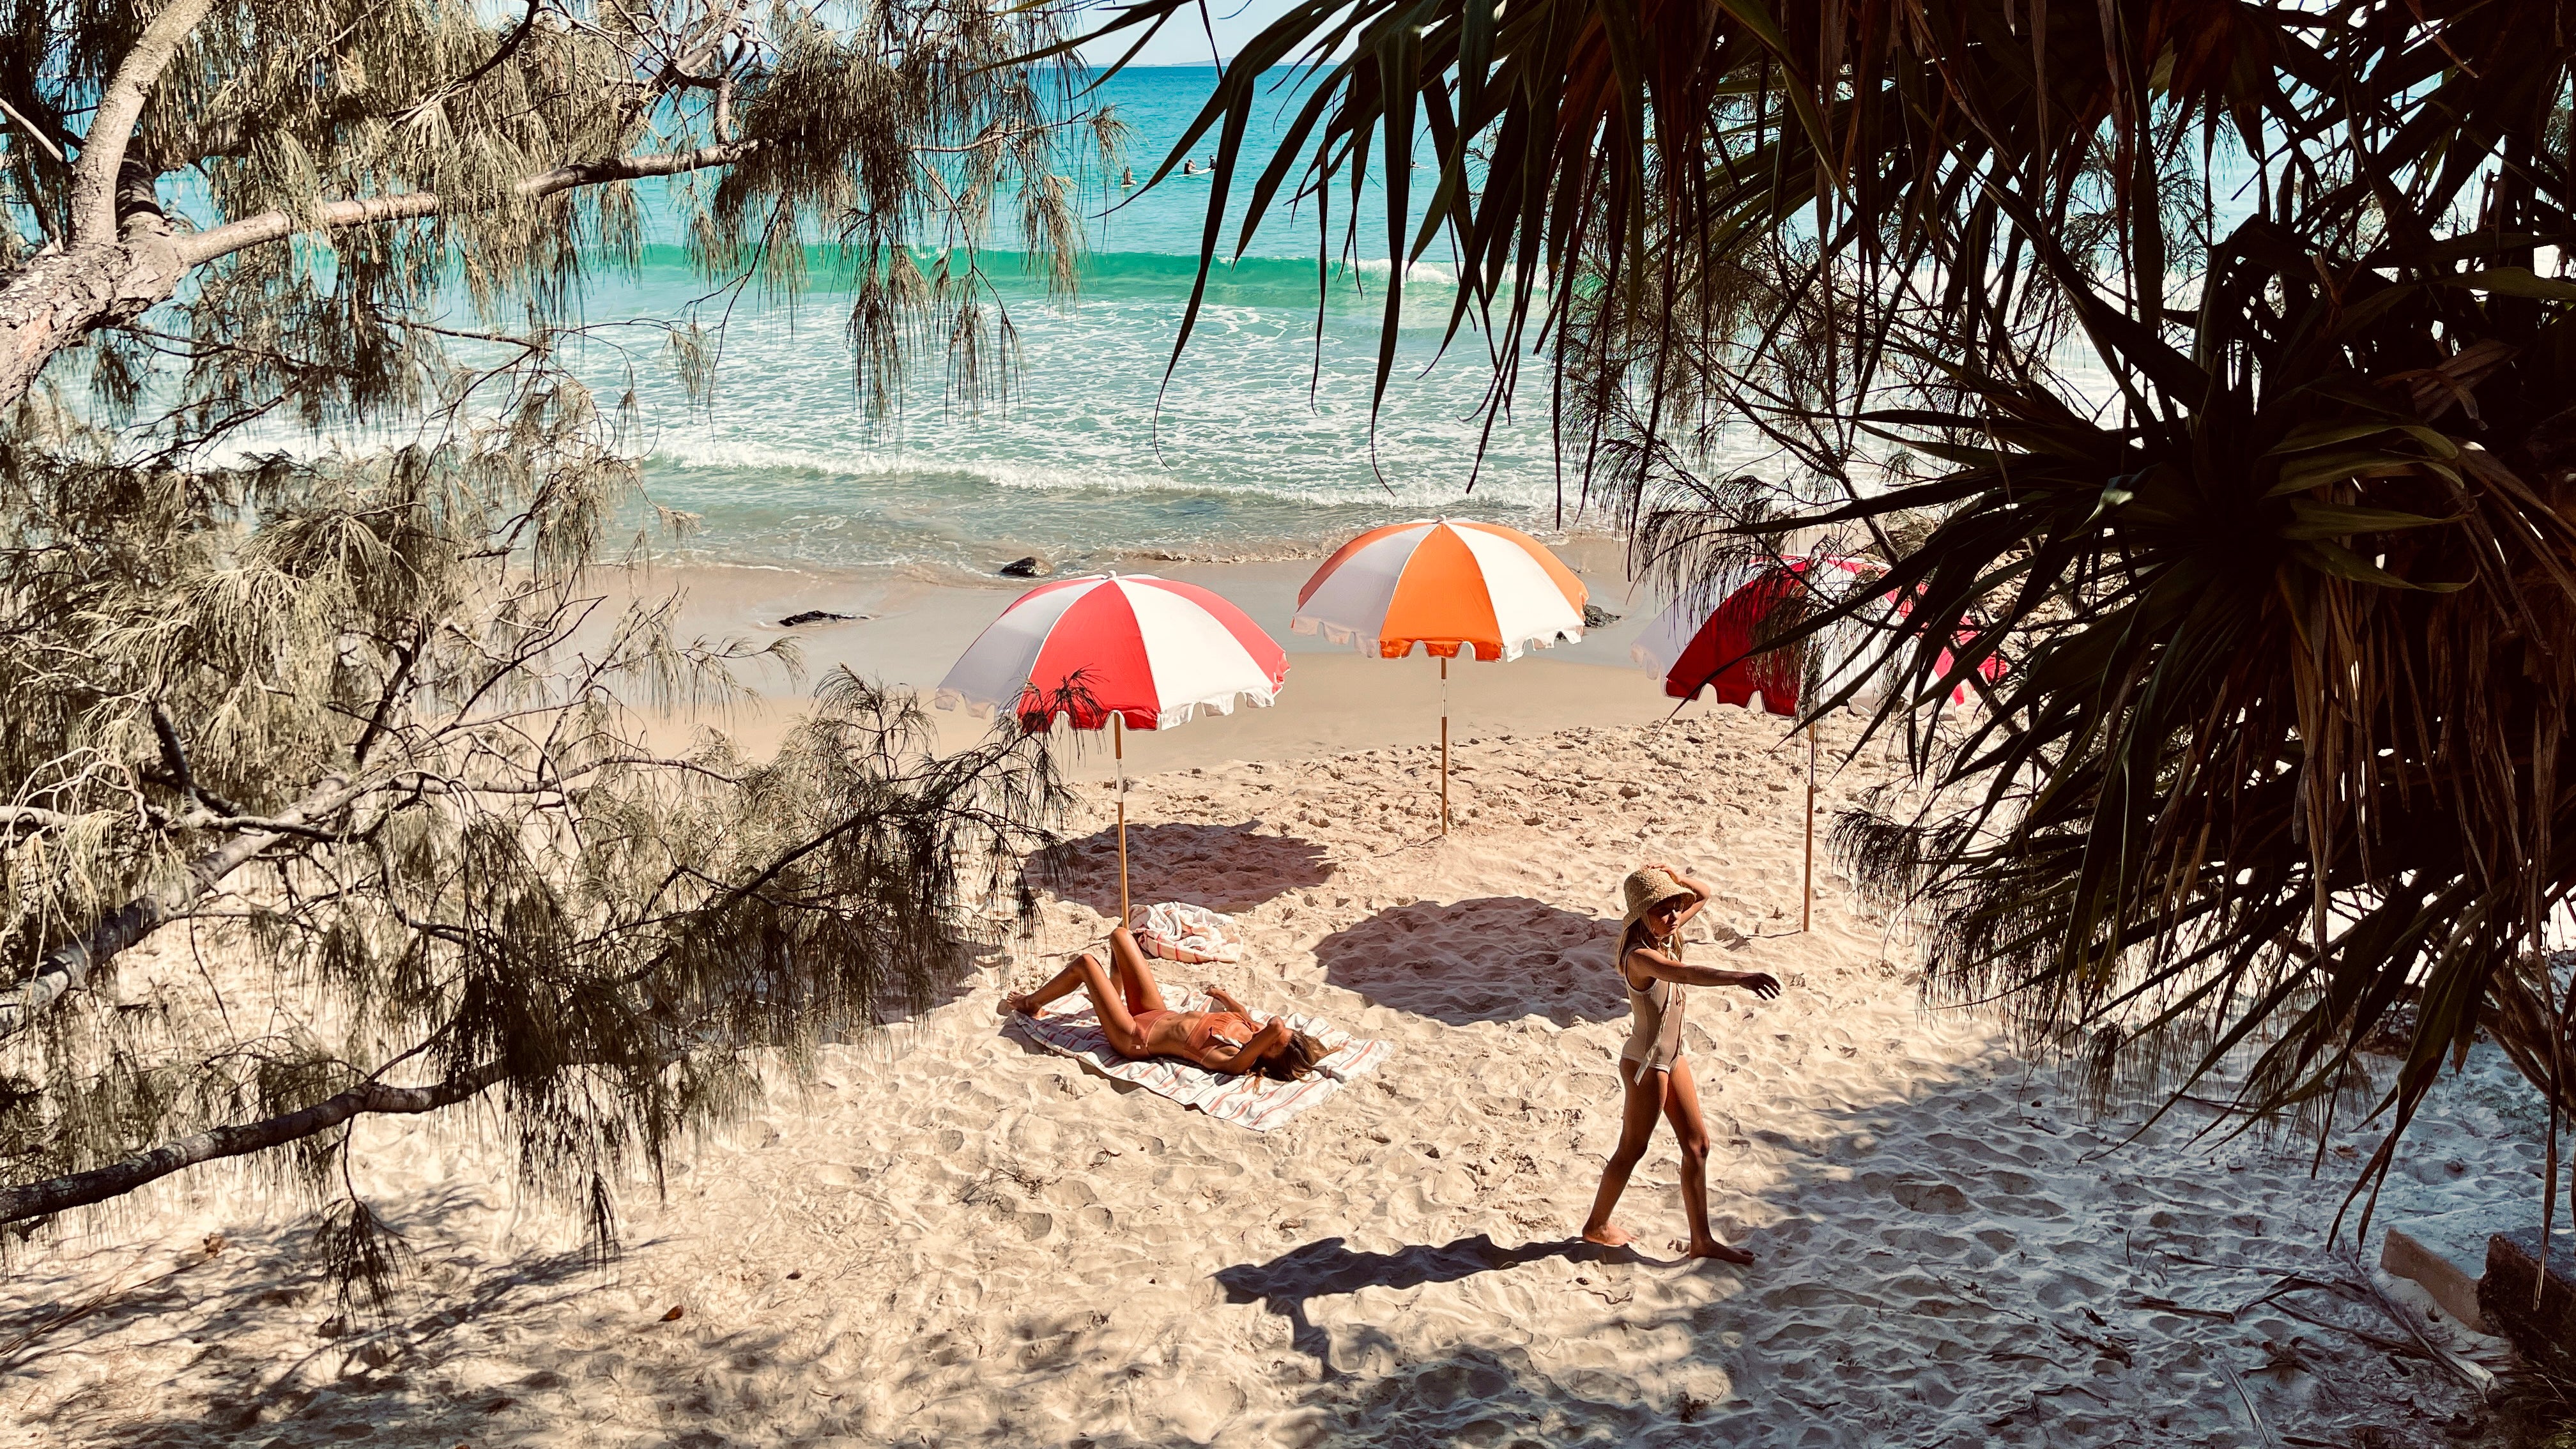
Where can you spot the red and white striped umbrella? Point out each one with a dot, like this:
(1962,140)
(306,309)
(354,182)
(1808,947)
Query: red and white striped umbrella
(1146,651)
(1103,650)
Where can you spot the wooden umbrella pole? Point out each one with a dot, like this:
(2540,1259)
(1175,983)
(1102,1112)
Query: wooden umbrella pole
(1807,872)
(1444,744)
(1118,752)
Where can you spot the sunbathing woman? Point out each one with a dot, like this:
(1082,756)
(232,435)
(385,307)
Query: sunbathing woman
(1650,965)
(1137,1023)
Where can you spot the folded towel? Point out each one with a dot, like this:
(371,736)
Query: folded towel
(1179,931)
(1246,1099)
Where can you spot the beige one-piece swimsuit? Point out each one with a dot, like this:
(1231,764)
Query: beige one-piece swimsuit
(1655,1032)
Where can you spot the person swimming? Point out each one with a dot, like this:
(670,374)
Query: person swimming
(1133,1016)
(1189,168)
(1127,176)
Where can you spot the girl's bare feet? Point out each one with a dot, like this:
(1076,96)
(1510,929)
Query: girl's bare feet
(1715,1249)
(1607,1235)
(1012,1003)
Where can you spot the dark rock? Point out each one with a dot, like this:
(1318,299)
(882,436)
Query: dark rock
(816,616)
(1032,567)
(2545,1335)
(1595,617)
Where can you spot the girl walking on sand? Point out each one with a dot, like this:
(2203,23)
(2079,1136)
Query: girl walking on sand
(1649,958)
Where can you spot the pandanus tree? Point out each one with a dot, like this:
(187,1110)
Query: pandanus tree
(2213,359)
(375,747)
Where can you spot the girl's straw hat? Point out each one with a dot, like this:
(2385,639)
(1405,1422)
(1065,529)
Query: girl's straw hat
(1644,889)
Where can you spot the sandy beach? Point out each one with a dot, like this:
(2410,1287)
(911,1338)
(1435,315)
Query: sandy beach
(950,1237)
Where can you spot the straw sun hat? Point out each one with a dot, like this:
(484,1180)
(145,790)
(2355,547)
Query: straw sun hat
(1644,889)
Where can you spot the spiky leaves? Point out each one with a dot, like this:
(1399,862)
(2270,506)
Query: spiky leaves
(2208,353)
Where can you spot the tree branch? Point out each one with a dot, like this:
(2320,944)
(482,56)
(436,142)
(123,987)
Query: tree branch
(174,760)
(79,1189)
(30,817)
(34,132)
(458,86)
(111,125)
(270,226)
(68,965)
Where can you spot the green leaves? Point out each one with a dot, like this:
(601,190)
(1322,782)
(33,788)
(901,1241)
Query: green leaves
(2283,579)
(2515,282)
(2314,520)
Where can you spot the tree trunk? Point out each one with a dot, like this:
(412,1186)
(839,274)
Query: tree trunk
(80,1189)
(68,965)
(60,297)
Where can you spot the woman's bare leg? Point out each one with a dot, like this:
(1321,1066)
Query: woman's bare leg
(1135,972)
(1086,973)
(1681,1105)
(1643,1099)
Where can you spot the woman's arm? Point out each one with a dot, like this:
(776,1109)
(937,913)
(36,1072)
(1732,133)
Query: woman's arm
(1225,1002)
(1699,892)
(1664,968)
(1219,1057)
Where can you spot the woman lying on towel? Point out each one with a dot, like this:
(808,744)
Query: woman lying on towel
(1137,1023)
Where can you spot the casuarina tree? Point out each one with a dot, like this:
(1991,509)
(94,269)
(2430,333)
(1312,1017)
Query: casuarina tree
(383,754)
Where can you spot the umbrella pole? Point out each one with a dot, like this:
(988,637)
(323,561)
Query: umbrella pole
(1444,744)
(1118,752)
(1807,872)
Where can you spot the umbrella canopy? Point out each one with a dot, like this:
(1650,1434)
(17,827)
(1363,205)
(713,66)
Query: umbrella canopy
(1151,652)
(1716,651)
(1444,586)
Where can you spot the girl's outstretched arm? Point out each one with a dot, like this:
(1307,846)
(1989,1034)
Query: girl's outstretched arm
(1664,968)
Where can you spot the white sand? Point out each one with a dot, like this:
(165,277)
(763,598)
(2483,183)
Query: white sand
(955,1239)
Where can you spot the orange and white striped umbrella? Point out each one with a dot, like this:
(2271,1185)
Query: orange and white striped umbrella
(1443,585)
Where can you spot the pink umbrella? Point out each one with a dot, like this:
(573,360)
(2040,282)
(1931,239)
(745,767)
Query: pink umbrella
(1721,651)
(1134,652)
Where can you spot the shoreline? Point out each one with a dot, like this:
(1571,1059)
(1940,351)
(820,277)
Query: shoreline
(911,629)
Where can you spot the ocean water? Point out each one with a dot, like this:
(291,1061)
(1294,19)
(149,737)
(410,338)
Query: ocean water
(1261,445)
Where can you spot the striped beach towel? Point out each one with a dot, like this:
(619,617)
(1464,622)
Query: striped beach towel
(1246,1099)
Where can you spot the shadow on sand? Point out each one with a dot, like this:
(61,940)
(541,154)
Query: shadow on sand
(1223,867)
(354,1380)
(1495,958)
(1329,1266)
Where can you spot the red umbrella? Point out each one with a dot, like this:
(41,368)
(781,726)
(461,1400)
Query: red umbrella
(1722,651)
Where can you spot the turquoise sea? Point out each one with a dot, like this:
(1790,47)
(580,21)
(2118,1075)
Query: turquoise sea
(1262,445)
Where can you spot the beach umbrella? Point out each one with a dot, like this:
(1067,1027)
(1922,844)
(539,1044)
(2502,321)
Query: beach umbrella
(1132,652)
(1446,586)
(1719,650)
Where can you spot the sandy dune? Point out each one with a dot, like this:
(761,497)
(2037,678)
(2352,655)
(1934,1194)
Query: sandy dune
(955,1239)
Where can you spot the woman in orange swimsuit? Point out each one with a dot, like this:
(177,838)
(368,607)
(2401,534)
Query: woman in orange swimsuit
(1139,1025)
